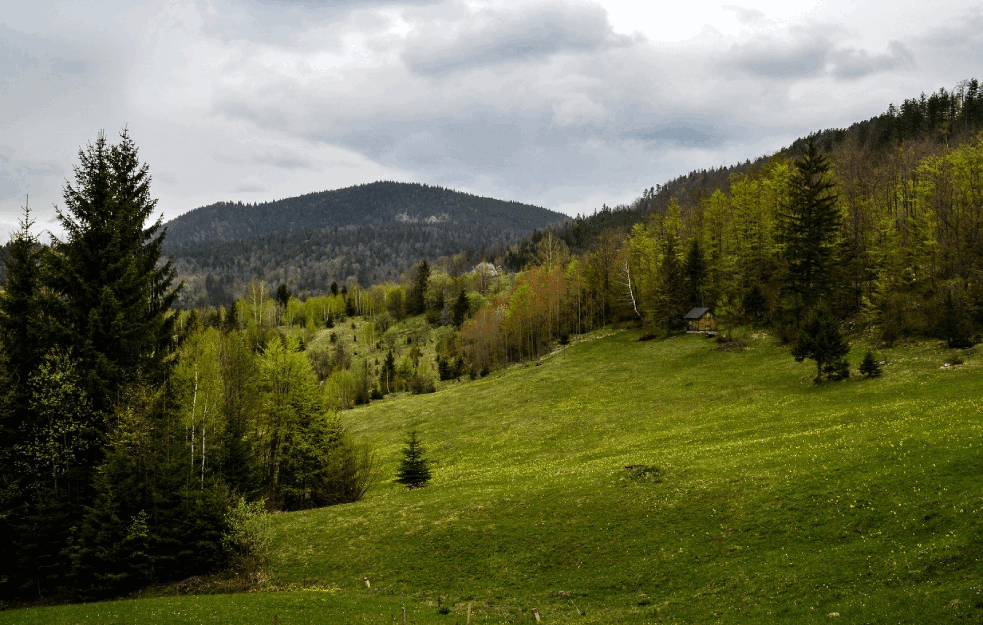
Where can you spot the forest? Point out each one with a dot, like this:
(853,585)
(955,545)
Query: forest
(140,438)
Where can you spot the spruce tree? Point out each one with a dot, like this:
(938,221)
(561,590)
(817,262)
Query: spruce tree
(695,273)
(809,226)
(461,307)
(820,340)
(869,367)
(414,468)
(116,292)
(950,326)
(418,290)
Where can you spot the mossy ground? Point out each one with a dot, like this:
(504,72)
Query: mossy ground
(761,498)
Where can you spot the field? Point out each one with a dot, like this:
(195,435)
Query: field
(753,496)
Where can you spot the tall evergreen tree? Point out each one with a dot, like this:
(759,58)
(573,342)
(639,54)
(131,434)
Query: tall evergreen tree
(695,273)
(117,294)
(809,226)
(418,290)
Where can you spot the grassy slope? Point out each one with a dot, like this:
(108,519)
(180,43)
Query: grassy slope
(778,501)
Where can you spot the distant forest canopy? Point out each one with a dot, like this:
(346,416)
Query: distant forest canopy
(377,203)
(365,234)
(309,261)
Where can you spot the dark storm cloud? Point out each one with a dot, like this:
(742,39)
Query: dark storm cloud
(496,37)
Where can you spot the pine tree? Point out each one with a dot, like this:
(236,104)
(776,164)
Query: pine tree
(950,326)
(414,468)
(461,307)
(695,272)
(417,303)
(117,294)
(820,340)
(869,367)
(809,226)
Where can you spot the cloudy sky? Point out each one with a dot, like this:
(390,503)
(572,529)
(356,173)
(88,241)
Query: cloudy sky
(566,104)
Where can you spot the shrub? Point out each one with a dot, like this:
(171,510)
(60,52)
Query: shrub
(421,385)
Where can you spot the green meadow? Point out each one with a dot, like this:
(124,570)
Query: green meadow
(753,495)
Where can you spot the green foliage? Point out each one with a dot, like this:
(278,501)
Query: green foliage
(820,340)
(950,327)
(809,226)
(248,538)
(414,468)
(116,289)
(869,367)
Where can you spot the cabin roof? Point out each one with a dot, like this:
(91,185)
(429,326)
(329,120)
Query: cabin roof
(696,313)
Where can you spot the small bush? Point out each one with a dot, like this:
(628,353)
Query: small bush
(248,537)
(421,385)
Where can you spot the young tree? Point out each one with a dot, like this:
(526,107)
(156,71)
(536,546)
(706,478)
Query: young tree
(869,367)
(414,468)
(809,226)
(820,340)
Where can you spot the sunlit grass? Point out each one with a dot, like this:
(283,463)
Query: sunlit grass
(775,500)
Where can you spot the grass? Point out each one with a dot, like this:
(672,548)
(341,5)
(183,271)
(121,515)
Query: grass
(761,498)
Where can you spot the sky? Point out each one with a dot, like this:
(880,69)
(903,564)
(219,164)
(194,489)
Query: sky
(563,104)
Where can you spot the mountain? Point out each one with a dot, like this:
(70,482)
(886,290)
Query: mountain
(375,204)
(366,234)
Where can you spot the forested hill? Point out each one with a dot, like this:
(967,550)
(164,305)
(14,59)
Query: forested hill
(927,124)
(375,204)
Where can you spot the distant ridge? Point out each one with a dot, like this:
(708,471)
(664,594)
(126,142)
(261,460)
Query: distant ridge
(377,203)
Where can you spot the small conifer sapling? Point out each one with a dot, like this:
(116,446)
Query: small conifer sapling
(869,367)
(414,468)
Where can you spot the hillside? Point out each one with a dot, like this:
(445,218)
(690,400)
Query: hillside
(368,234)
(378,203)
(754,496)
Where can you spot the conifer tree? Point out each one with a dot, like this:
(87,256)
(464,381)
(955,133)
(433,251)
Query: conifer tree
(417,303)
(117,294)
(414,468)
(461,307)
(869,367)
(695,272)
(950,326)
(820,340)
(809,226)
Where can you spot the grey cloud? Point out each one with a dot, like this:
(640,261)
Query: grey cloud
(962,38)
(813,52)
(778,58)
(495,37)
(680,133)
(850,63)
(27,57)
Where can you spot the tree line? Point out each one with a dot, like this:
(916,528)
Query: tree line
(130,436)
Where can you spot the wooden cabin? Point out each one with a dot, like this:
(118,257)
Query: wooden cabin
(700,320)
